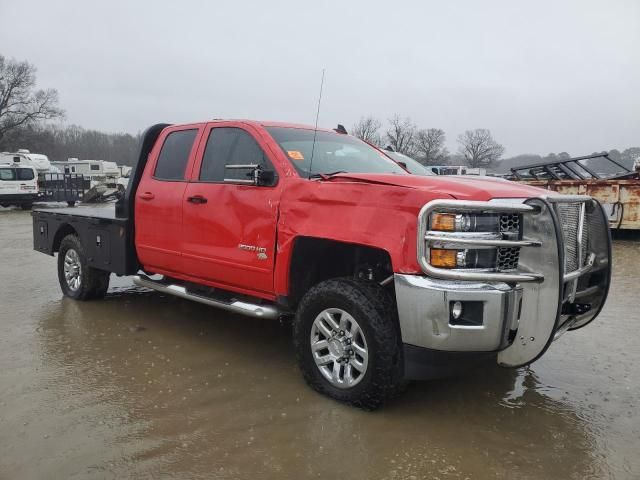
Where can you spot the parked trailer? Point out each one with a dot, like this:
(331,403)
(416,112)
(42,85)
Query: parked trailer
(100,172)
(52,185)
(63,187)
(610,182)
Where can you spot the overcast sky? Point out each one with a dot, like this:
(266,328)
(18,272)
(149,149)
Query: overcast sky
(543,76)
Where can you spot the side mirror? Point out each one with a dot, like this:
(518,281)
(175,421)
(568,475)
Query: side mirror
(255,175)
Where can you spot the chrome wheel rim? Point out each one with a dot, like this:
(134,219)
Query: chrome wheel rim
(72,269)
(339,348)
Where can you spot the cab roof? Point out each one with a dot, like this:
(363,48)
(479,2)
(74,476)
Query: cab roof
(270,123)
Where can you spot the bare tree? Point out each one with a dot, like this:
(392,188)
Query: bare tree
(367,129)
(20,103)
(401,135)
(429,146)
(479,148)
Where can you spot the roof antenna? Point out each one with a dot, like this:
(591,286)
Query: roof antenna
(315,131)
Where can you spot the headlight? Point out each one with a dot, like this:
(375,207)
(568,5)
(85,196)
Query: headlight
(464,222)
(463,258)
(456,230)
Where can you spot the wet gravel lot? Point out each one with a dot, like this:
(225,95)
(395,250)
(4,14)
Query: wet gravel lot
(142,385)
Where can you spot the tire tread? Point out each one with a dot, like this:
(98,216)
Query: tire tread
(380,311)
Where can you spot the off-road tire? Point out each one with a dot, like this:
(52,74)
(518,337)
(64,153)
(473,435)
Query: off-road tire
(375,311)
(94,282)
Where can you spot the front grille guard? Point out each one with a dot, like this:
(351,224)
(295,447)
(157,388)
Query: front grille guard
(546,285)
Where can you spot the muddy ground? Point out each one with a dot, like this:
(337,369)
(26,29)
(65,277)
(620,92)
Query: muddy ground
(141,385)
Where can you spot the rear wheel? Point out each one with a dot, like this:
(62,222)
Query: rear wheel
(77,279)
(26,206)
(347,342)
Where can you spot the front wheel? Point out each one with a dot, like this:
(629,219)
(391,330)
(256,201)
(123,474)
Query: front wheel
(347,341)
(77,279)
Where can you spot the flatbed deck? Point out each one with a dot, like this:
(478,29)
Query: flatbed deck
(106,211)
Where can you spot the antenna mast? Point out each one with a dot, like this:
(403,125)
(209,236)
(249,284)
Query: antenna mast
(315,131)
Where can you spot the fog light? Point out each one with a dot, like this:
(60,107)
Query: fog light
(456,310)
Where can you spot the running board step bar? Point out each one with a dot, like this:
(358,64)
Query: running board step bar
(236,306)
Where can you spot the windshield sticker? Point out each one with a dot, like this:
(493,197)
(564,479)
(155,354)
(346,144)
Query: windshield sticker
(295,155)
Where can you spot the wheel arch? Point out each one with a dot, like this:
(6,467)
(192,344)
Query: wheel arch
(64,230)
(315,259)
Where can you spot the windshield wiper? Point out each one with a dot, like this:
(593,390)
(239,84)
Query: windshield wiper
(325,176)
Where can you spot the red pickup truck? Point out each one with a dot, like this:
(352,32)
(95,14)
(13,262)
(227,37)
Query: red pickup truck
(388,276)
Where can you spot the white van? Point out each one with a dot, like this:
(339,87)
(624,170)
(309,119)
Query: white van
(18,185)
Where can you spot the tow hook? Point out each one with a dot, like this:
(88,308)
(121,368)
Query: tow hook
(575,308)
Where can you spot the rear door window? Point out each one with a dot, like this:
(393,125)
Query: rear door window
(174,155)
(230,146)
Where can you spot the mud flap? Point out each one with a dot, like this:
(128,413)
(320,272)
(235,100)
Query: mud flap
(541,302)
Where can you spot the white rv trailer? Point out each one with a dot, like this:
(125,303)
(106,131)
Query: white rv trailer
(24,157)
(100,172)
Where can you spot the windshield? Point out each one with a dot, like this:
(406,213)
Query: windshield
(333,152)
(413,166)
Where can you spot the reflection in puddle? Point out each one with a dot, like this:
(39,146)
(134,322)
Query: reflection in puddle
(188,388)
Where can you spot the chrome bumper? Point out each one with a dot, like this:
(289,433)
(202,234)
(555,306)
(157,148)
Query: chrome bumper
(521,312)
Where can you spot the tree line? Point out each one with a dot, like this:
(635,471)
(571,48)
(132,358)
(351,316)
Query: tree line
(61,142)
(477,148)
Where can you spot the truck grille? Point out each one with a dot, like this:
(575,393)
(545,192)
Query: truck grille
(510,223)
(507,258)
(575,248)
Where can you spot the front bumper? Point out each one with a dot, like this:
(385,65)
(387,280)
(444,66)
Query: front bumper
(424,309)
(517,320)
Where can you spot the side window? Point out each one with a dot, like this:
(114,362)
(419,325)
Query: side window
(25,174)
(94,167)
(230,146)
(174,155)
(7,174)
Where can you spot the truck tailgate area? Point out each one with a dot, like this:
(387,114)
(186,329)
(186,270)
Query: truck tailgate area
(108,239)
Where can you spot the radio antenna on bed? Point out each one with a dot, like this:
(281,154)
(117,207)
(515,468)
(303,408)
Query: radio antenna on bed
(315,131)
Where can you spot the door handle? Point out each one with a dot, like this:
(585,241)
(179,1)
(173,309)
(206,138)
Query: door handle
(197,199)
(147,196)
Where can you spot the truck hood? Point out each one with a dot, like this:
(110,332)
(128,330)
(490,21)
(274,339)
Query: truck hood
(460,187)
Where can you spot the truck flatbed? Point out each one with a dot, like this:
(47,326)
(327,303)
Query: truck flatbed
(106,237)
